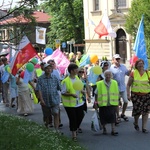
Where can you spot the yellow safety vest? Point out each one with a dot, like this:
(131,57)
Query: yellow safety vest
(77,62)
(103,93)
(69,101)
(141,83)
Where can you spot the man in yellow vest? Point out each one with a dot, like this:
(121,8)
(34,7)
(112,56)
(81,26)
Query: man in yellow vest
(72,100)
(106,98)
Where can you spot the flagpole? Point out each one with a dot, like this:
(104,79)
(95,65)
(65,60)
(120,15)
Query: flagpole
(90,43)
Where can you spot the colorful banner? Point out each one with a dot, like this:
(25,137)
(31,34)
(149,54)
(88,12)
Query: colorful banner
(60,59)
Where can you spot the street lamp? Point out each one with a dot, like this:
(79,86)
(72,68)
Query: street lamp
(72,41)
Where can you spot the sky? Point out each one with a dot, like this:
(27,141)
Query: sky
(7,3)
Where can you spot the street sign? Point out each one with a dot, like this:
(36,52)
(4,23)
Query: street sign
(57,43)
(64,45)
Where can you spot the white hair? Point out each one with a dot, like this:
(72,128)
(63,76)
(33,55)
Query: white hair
(108,71)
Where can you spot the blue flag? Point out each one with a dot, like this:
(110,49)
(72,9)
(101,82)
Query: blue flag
(139,45)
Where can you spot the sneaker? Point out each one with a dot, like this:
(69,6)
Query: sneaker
(60,125)
(25,115)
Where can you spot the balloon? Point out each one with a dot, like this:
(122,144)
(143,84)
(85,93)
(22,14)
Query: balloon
(30,67)
(7,68)
(93,58)
(34,61)
(48,51)
(78,85)
(97,70)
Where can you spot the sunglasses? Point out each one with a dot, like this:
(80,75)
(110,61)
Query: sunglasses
(81,71)
(117,58)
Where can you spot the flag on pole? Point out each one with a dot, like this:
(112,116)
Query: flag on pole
(104,28)
(23,55)
(139,45)
(40,35)
(89,22)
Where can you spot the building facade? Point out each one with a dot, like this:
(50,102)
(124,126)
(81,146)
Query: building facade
(106,45)
(12,29)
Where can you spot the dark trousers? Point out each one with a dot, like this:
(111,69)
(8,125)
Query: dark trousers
(93,90)
(75,115)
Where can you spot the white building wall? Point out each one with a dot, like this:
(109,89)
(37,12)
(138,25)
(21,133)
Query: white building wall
(103,46)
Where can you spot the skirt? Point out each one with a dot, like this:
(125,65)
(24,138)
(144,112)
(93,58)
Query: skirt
(25,103)
(107,114)
(141,104)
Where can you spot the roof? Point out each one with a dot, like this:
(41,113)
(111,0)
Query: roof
(40,17)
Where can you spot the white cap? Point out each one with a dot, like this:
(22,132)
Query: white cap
(116,56)
(46,65)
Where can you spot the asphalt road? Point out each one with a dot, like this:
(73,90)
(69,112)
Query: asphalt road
(128,138)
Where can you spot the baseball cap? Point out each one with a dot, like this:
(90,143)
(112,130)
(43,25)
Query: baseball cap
(116,56)
(46,65)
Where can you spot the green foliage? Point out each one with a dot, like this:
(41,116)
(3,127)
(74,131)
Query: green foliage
(19,134)
(139,8)
(67,20)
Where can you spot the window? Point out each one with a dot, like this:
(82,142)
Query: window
(96,5)
(122,3)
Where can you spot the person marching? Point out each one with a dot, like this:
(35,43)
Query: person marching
(139,81)
(72,100)
(107,99)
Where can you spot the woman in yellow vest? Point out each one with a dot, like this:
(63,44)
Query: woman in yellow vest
(140,94)
(72,100)
(106,98)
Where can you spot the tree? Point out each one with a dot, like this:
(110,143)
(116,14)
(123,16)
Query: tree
(139,8)
(24,7)
(67,20)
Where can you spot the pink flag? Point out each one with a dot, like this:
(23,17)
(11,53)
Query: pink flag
(104,28)
(60,59)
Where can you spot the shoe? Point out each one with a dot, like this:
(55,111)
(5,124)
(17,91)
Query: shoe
(144,131)
(61,125)
(136,127)
(124,117)
(118,120)
(13,105)
(114,133)
(25,115)
(74,139)
(79,130)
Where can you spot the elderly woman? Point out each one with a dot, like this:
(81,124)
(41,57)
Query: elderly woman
(140,94)
(106,98)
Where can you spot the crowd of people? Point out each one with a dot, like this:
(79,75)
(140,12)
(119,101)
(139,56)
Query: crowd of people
(109,91)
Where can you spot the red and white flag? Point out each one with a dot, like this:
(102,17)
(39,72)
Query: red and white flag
(104,28)
(25,52)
